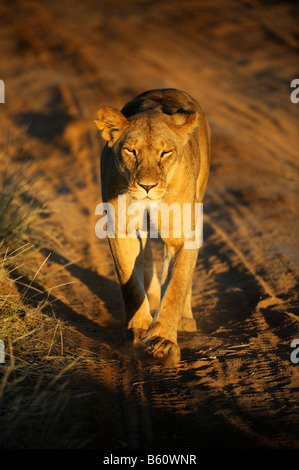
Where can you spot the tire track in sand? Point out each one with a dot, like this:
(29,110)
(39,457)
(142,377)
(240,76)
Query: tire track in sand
(235,382)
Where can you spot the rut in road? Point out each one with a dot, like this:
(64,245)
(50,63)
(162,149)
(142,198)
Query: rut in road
(235,382)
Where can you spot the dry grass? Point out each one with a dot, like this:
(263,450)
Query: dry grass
(34,379)
(20,210)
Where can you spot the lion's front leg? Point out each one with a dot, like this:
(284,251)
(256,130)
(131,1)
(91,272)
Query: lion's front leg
(128,258)
(161,337)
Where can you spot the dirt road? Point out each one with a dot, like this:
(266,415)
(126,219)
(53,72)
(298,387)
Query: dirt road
(62,60)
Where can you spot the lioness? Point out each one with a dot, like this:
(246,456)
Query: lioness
(158,150)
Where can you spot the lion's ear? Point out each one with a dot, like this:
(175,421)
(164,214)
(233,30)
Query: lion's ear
(184,119)
(111,124)
(185,122)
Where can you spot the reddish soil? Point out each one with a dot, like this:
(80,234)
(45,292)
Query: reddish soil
(235,386)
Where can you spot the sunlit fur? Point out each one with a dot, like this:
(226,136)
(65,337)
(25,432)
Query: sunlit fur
(158,150)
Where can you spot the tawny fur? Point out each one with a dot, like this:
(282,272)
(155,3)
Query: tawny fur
(159,140)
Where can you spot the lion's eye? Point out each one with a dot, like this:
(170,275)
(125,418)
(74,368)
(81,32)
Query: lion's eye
(132,153)
(166,154)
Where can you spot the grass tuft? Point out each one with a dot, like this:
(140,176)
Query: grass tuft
(20,210)
(34,378)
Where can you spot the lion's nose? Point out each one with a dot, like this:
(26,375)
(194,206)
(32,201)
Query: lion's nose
(147,187)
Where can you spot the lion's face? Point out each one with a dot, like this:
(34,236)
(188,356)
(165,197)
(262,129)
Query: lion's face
(147,149)
(148,154)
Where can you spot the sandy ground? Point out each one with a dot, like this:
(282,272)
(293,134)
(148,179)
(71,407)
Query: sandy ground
(62,60)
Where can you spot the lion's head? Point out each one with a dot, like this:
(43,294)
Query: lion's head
(148,139)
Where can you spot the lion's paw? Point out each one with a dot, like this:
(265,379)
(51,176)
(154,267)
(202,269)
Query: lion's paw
(163,349)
